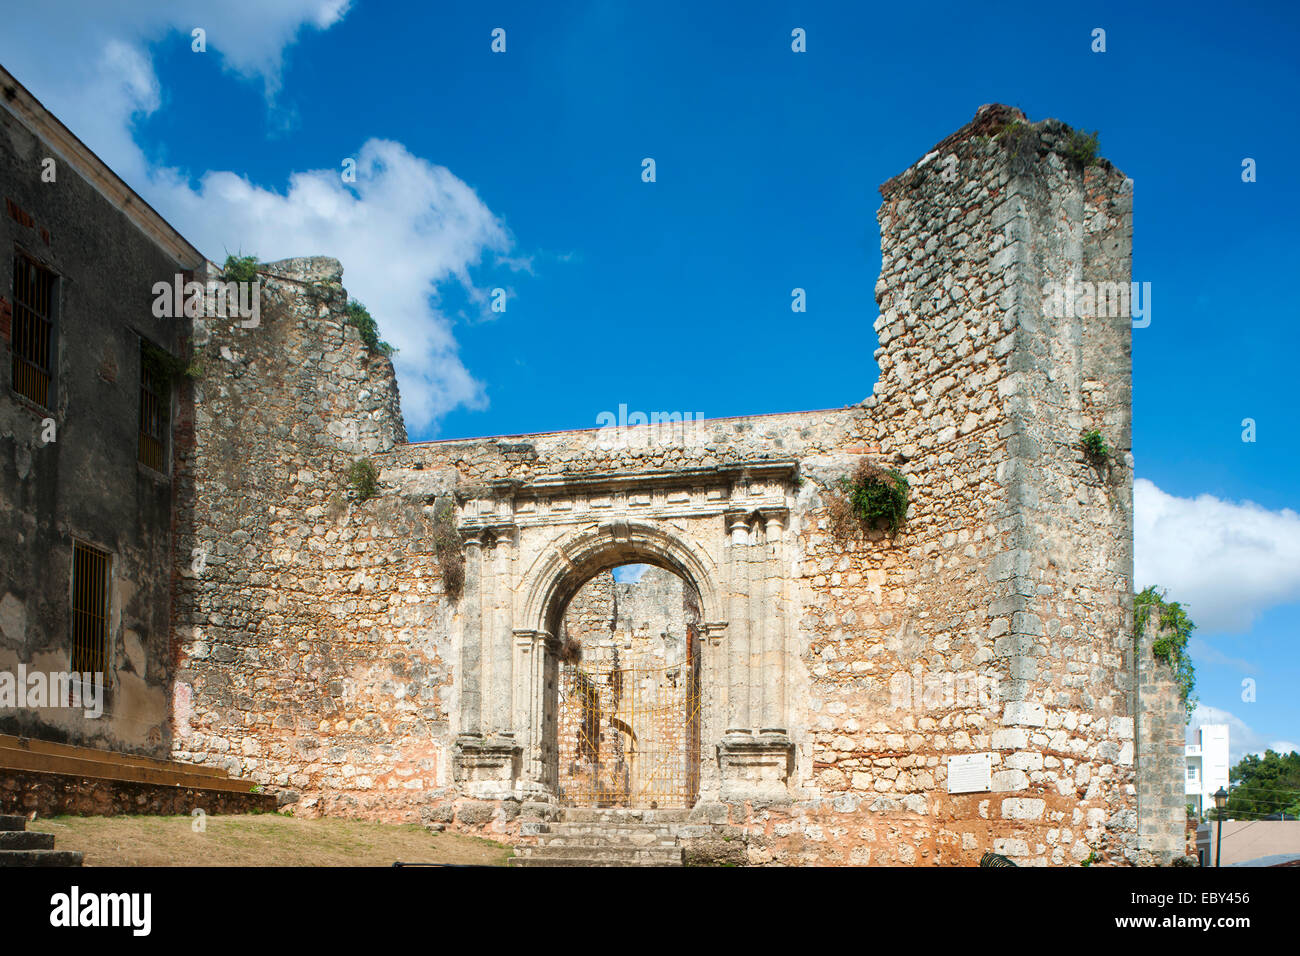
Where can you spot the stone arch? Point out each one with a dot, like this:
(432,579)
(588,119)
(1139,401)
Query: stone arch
(531,544)
(565,567)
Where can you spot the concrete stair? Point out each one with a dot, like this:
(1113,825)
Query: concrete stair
(614,837)
(19,847)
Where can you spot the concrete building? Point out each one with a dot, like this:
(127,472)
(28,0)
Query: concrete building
(1207,766)
(1250,843)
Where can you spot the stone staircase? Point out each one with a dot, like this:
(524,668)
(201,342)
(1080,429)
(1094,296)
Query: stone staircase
(21,847)
(612,837)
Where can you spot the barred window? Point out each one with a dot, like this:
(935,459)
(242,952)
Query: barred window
(89,609)
(32,337)
(155,405)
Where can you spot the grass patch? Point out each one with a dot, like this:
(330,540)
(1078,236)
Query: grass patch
(263,840)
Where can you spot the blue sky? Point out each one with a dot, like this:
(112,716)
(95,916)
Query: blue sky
(522,171)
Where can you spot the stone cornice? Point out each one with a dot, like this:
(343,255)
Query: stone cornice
(785,469)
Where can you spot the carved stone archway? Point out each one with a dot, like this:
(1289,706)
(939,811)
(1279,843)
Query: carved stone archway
(531,545)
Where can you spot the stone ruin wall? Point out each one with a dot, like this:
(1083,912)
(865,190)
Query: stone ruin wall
(319,648)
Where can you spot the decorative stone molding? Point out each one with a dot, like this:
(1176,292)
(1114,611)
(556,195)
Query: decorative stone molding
(531,545)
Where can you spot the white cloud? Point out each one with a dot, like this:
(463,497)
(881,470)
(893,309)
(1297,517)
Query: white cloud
(1225,562)
(1242,739)
(405,227)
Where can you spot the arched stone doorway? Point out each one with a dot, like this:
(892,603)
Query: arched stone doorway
(531,545)
(628,710)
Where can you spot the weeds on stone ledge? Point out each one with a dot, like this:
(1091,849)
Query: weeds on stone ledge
(1082,147)
(363,478)
(1171,646)
(447,547)
(871,497)
(359,316)
(166,369)
(240,269)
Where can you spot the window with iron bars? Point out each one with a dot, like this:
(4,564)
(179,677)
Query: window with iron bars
(155,402)
(90,591)
(32,333)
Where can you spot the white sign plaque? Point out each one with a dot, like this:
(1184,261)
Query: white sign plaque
(970,773)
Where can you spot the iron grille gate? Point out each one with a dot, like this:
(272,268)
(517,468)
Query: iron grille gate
(629,734)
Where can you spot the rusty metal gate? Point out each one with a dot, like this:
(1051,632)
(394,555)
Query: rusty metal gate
(629,732)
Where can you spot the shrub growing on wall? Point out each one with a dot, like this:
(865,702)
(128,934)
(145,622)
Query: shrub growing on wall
(872,497)
(359,316)
(240,269)
(363,478)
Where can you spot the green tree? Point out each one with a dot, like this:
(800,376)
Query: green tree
(1263,786)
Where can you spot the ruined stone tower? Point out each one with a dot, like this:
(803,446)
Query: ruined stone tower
(967,684)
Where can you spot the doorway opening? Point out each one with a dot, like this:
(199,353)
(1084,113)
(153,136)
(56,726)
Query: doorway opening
(628,711)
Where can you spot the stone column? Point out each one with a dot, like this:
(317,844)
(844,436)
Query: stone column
(713,704)
(530,710)
(500,716)
(773,618)
(471,660)
(737,715)
(487,762)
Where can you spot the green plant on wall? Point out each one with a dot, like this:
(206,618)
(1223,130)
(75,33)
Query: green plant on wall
(1095,445)
(360,317)
(363,478)
(166,369)
(1082,147)
(240,269)
(447,547)
(872,497)
(1171,646)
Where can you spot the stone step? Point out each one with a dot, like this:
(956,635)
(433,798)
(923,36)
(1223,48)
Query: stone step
(12,821)
(623,815)
(664,831)
(606,839)
(40,858)
(576,861)
(620,855)
(26,840)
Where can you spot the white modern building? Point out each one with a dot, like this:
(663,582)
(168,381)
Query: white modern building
(1207,765)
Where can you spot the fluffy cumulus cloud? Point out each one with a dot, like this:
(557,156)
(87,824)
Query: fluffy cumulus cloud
(405,227)
(1226,562)
(1242,739)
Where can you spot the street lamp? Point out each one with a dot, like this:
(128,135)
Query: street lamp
(1220,804)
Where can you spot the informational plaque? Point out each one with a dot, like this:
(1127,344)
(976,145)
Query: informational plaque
(970,773)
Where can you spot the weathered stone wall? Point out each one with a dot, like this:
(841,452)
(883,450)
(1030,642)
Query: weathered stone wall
(85,484)
(312,640)
(1015,569)
(1165,831)
(328,658)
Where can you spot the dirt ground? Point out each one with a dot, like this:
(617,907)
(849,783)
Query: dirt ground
(262,840)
